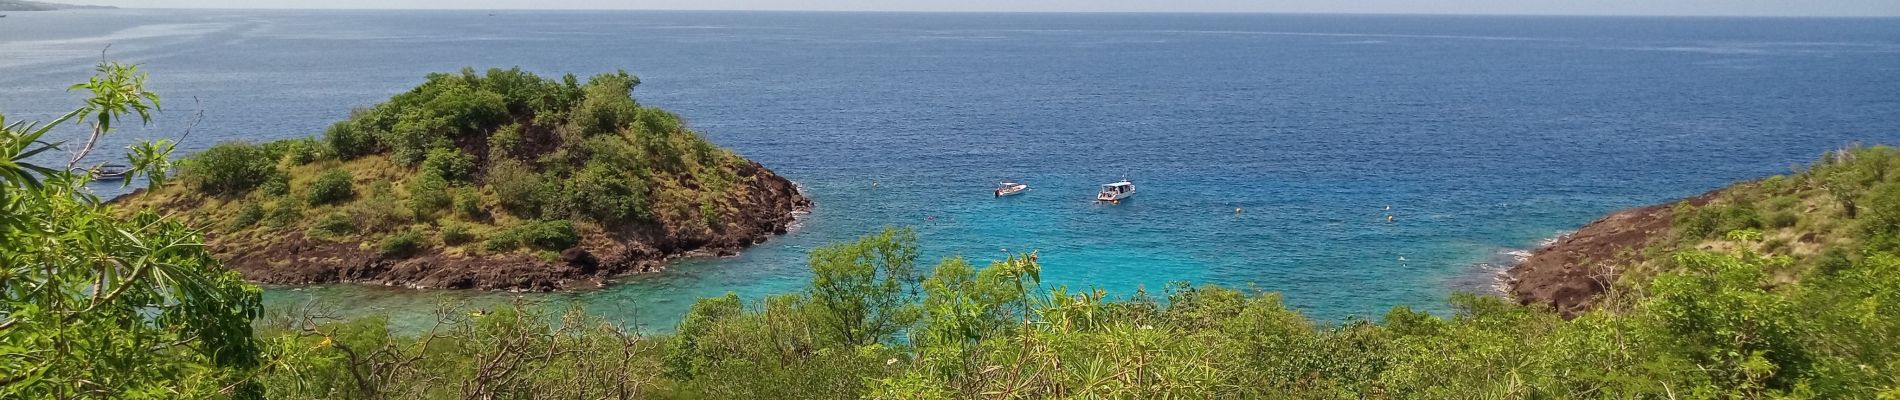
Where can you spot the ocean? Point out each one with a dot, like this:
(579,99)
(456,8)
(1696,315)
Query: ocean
(1482,134)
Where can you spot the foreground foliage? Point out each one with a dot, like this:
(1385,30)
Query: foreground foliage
(95,305)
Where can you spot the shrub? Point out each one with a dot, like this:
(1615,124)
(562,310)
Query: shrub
(278,185)
(293,151)
(517,188)
(303,151)
(504,142)
(333,225)
(401,244)
(1775,185)
(1783,202)
(1693,222)
(468,203)
(450,164)
(333,186)
(229,168)
(545,235)
(499,243)
(607,104)
(456,233)
(1783,219)
(286,212)
(428,195)
(435,114)
(550,235)
(250,214)
(380,209)
(606,195)
(347,140)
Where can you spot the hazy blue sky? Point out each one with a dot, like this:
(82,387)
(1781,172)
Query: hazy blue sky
(1578,7)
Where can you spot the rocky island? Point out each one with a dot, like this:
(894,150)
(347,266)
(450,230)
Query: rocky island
(495,180)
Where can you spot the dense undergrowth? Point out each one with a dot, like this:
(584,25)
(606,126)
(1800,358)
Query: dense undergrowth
(1718,311)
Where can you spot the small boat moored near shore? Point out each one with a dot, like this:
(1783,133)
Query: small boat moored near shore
(1115,192)
(109,172)
(1010,189)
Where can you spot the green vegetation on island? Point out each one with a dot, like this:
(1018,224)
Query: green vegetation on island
(500,179)
(107,302)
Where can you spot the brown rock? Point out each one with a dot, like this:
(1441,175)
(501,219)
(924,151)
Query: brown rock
(1568,275)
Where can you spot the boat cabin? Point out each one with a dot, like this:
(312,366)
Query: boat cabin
(1116,191)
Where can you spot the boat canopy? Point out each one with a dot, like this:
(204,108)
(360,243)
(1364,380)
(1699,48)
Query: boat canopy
(1116,184)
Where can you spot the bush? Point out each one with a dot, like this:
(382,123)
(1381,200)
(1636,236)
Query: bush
(607,195)
(456,233)
(293,151)
(468,203)
(545,235)
(1783,219)
(504,142)
(450,164)
(607,104)
(286,212)
(278,185)
(428,195)
(517,188)
(1696,223)
(229,168)
(333,186)
(401,244)
(347,140)
(333,225)
(250,214)
(379,209)
(1783,202)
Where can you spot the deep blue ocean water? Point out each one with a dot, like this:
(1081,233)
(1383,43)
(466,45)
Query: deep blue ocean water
(1483,134)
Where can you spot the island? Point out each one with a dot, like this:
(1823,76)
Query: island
(24,5)
(493,180)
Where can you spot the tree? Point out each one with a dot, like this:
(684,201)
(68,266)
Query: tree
(97,305)
(866,291)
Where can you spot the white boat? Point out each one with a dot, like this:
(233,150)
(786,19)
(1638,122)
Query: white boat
(109,172)
(1116,191)
(1010,189)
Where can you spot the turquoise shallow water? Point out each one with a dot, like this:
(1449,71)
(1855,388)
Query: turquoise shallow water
(1483,134)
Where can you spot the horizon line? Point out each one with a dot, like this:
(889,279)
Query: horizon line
(1443,14)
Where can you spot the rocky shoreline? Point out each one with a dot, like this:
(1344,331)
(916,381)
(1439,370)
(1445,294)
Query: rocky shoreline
(1568,274)
(767,207)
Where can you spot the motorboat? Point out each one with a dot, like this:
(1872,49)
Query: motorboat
(1010,189)
(110,172)
(1113,192)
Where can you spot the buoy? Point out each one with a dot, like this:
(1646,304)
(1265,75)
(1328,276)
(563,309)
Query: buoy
(1388,218)
(1236,210)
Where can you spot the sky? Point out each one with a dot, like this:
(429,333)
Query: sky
(1522,7)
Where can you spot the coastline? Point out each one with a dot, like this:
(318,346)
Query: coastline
(1569,271)
(772,206)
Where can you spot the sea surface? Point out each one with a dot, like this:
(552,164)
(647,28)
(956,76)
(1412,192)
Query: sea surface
(1267,148)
